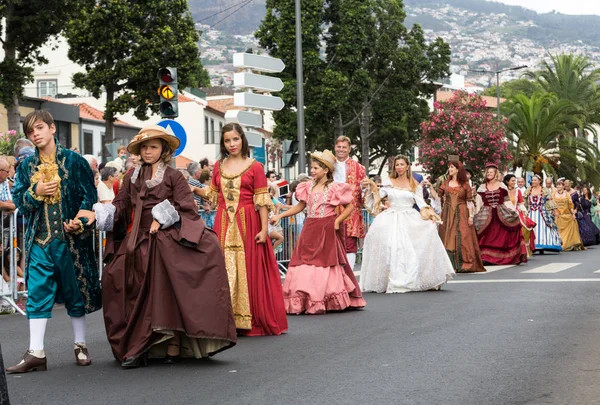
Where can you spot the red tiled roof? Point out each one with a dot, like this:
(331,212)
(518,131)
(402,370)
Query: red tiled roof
(181,162)
(184,99)
(214,110)
(87,112)
(223,104)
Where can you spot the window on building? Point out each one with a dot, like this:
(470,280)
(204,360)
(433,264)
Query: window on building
(63,131)
(206,139)
(88,143)
(218,135)
(212,131)
(47,88)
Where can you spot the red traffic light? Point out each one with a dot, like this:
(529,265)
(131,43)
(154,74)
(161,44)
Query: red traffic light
(167,75)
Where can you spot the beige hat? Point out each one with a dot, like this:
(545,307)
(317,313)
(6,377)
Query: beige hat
(325,157)
(152,132)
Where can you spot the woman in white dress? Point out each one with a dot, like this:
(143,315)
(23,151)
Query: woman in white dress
(402,251)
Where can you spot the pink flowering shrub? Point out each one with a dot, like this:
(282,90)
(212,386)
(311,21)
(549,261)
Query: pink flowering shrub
(462,126)
(7,142)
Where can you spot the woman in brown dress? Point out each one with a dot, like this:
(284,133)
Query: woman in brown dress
(457,231)
(164,288)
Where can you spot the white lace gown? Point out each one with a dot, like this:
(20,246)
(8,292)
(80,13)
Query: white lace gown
(402,252)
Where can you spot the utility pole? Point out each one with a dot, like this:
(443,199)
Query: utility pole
(497,73)
(300,92)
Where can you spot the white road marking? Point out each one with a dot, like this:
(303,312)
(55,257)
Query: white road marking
(491,269)
(525,280)
(597,272)
(551,268)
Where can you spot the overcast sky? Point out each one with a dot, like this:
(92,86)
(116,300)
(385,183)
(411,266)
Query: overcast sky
(579,7)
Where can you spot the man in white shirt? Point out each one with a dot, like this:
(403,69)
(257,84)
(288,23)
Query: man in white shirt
(105,188)
(353,173)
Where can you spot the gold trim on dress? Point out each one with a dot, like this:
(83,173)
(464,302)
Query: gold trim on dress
(229,176)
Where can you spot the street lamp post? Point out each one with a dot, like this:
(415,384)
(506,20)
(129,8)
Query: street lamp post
(300,92)
(497,73)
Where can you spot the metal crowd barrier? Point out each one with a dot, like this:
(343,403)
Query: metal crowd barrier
(11,238)
(290,228)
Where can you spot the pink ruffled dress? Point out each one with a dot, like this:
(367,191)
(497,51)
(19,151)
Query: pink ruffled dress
(319,278)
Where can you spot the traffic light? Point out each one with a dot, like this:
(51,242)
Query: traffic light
(290,153)
(168,106)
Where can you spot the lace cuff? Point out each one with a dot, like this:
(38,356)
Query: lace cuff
(427,213)
(263,199)
(165,214)
(372,198)
(105,216)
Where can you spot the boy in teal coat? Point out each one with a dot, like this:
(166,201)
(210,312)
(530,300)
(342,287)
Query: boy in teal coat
(54,188)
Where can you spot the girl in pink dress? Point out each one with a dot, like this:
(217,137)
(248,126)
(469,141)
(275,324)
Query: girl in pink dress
(319,278)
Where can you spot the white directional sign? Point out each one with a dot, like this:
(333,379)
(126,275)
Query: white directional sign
(244,118)
(254,139)
(257,82)
(259,63)
(259,101)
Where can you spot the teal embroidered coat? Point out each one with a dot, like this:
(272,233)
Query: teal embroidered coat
(78,192)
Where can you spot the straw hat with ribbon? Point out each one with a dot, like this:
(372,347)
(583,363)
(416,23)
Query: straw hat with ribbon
(325,157)
(152,132)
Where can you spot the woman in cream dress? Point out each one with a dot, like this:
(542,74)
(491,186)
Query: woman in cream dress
(403,251)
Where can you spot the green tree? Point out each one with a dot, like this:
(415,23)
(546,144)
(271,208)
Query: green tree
(386,70)
(28,24)
(369,82)
(538,131)
(277,36)
(122,44)
(512,88)
(573,78)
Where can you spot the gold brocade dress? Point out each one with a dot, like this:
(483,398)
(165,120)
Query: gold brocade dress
(254,280)
(567,224)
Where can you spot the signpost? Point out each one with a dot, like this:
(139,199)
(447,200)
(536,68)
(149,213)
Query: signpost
(175,128)
(258,101)
(244,118)
(251,82)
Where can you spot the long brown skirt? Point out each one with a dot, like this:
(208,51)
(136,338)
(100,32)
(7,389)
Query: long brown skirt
(172,286)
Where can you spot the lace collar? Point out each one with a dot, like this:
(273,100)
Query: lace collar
(160,174)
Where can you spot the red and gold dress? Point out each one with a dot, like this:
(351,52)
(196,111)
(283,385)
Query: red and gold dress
(499,228)
(254,280)
(319,278)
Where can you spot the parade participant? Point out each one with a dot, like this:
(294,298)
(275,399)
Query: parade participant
(587,229)
(498,225)
(596,210)
(542,210)
(549,182)
(239,191)
(319,278)
(516,199)
(521,186)
(165,289)
(349,171)
(566,220)
(457,231)
(403,251)
(53,190)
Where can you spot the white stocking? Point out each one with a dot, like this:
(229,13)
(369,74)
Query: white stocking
(37,331)
(351,259)
(78,329)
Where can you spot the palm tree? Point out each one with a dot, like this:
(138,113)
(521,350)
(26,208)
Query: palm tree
(537,128)
(573,77)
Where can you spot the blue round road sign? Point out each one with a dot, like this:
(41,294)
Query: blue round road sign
(177,129)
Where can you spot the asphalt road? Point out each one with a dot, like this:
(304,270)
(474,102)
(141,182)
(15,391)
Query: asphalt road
(505,337)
